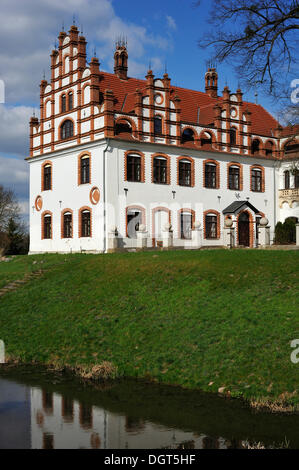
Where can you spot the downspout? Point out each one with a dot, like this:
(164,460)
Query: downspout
(104,192)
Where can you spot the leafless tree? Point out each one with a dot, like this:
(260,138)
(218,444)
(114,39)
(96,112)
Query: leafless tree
(259,37)
(9,208)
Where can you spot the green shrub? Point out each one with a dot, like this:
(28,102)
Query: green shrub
(285,233)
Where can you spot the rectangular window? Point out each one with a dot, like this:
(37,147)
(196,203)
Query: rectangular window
(256,180)
(157,125)
(47,178)
(234,178)
(67,226)
(184,173)
(47,226)
(133,168)
(71,104)
(211,226)
(160,170)
(210,175)
(186,226)
(85,224)
(85,170)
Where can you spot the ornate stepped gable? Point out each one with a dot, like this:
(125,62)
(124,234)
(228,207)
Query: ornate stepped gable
(82,103)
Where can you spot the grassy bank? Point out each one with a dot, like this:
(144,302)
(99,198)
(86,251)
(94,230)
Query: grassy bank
(208,319)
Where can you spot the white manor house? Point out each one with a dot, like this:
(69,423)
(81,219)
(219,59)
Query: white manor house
(123,163)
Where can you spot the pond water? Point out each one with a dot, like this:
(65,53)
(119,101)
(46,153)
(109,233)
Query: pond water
(43,410)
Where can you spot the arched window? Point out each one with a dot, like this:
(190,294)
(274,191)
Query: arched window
(85,223)
(210,175)
(67,225)
(123,127)
(232,136)
(296,179)
(234,177)
(47,177)
(211,228)
(160,170)
(47,226)
(269,148)
(255,147)
(67,130)
(185,173)
(187,136)
(157,125)
(133,168)
(71,101)
(286,179)
(85,169)
(63,103)
(256,180)
(206,140)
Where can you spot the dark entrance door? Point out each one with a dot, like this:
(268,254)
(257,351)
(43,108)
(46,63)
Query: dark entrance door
(243,229)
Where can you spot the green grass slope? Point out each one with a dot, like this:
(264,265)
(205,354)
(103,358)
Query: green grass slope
(204,319)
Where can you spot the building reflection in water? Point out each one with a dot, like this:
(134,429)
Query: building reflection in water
(61,422)
(58,421)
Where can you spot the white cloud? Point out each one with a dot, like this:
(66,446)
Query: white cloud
(30,28)
(14,130)
(14,174)
(171,22)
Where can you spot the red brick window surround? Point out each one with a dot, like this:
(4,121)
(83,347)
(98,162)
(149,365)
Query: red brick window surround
(85,222)
(235,176)
(67,223)
(46,225)
(46,176)
(186,219)
(160,168)
(257,178)
(211,224)
(84,168)
(211,174)
(185,171)
(134,166)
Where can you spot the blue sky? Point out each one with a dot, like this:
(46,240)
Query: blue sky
(158,32)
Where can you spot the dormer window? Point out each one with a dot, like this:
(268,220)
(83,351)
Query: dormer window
(187,136)
(255,147)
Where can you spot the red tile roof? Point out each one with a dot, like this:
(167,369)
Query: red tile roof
(196,106)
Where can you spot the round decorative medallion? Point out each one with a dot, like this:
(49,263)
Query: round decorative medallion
(94,195)
(233,112)
(159,98)
(38,203)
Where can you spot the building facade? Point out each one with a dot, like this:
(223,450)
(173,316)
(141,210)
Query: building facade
(112,155)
